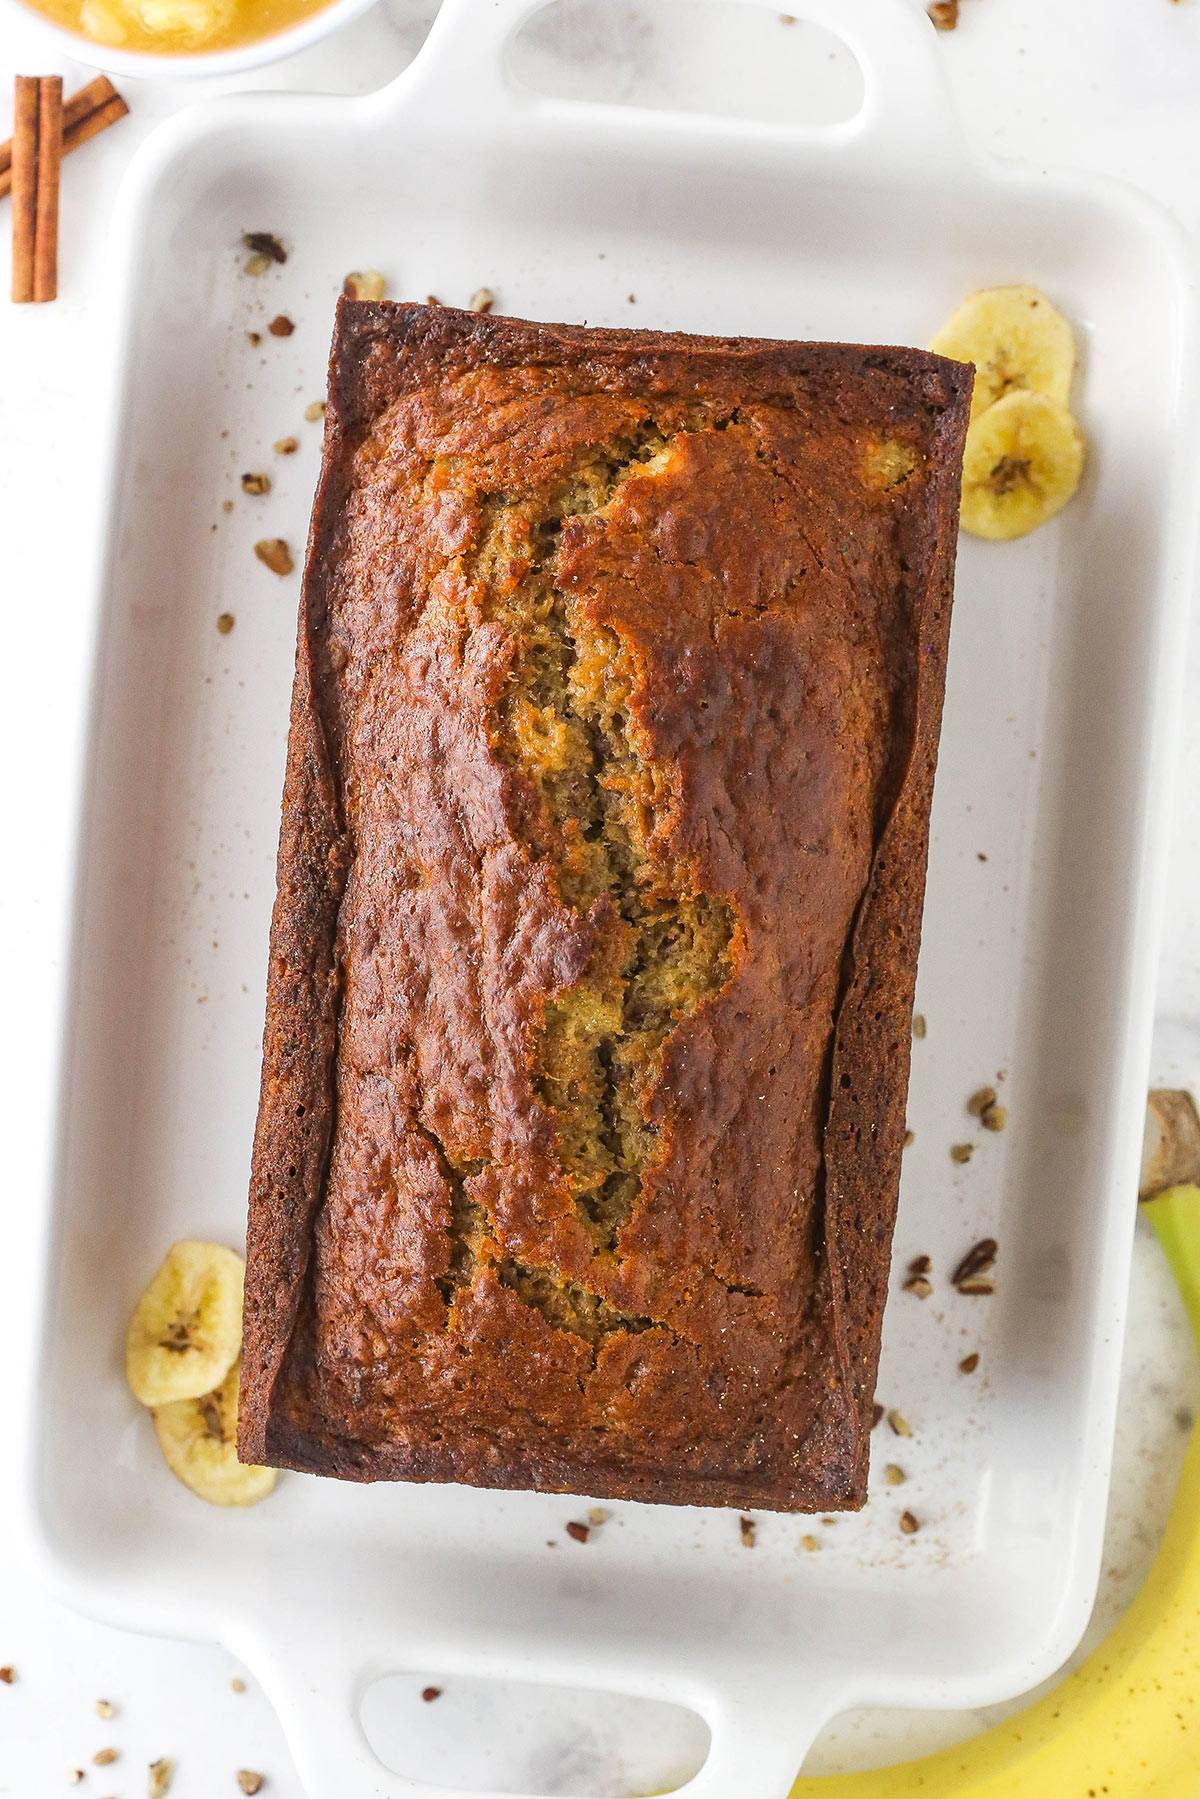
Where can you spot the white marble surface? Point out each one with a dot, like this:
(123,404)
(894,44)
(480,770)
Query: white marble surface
(1104,84)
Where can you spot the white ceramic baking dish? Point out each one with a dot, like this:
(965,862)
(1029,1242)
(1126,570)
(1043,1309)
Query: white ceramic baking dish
(1040,934)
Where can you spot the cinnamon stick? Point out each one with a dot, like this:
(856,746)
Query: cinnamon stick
(92,123)
(24,184)
(92,110)
(97,94)
(49,164)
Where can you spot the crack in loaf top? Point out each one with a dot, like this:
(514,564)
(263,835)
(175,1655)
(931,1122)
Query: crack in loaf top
(620,667)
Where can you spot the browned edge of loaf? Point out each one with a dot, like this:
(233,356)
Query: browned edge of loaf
(873,1026)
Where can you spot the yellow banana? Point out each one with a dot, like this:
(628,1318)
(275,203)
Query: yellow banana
(198,1439)
(186,1329)
(1018,341)
(1127,1722)
(1022,462)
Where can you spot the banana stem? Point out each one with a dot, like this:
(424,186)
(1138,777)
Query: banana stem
(1175,1215)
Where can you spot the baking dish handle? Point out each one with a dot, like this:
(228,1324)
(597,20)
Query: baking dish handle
(761,1727)
(907,115)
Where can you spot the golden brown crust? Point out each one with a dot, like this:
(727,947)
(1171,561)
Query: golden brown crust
(617,699)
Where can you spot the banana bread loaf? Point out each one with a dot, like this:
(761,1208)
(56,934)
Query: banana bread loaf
(617,697)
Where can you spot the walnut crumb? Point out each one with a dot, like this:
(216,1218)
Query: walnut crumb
(225,623)
(364,284)
(8,1674)
(238,1684)
(429,1694)
(980,1286)
(254,338)
(810,1543)
(969,1363)
(899,1423)
(161,1773)
(579,1532)
(979,1102)
(921,1265)
(894,1476)
(876,1414)
(919,1285)
(919,1027)
(749,1531)
(256,483)
(909,1524)
(314,410)
(226,505)
(273,551)
(979,1259)
(944,14)
(265,243)
(104,1708)
(910,1138)
(249,1781)
(961,1152)
(258,265)
(104,1758)
(286,446)
(597,1516)
(994,1118)
(281,326)
(482,300)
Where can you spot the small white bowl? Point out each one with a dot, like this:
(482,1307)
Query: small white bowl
(148,65)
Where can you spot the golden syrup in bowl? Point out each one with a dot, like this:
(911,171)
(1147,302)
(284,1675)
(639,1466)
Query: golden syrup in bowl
(176,27)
